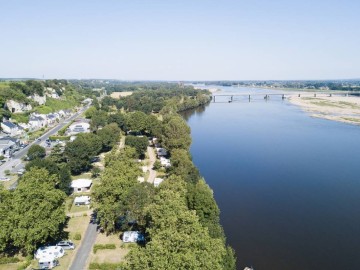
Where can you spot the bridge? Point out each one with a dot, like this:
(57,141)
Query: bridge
(249,96)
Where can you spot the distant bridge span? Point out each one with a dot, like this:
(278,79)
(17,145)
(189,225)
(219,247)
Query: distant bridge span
(249,96)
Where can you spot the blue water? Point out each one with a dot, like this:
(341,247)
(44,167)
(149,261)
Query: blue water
(287,184)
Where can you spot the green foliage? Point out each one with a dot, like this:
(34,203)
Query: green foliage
(80,152)
(90,112)
(108,136)
(61,104)
(178,241)
(176,133)
(139,143)
(106,266)
(95,172)
(99,119)
(60,138)
(157,165)
(6,260)
(137,122)
(7,172)
(200,198)
(182,165)
(119,119)
(100,246)
(33,213)
(117,179)
(20,117)
(43,109)
(77,236)
(36,151)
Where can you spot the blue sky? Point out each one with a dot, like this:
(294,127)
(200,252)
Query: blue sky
(180,40)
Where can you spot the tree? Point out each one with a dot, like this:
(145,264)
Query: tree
(182,165)
(176,133)
(5,214)
(61,171)
(177,239)
(37,210)
(137,121)
(119,119)
(108,136)
(36,151)
(200,198)
(110,197)
(90,112)
(80,152)
(139,143)
(99,119)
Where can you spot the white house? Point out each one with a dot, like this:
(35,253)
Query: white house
(81,185)
(82,200)
(11,128)
(8,145)
(37,122)
(158,181)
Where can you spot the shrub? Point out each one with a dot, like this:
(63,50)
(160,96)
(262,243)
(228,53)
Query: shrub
(106,266)
(99,246)
(5,260)
(77,236)
(7,172)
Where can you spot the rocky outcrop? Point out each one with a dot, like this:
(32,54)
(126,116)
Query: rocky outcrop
(18,107)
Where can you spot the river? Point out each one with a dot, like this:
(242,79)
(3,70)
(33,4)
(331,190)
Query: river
(287,184)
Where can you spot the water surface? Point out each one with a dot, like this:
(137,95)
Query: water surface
(288,185)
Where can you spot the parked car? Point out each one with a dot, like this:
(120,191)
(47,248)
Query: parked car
(4,179)
(66,244)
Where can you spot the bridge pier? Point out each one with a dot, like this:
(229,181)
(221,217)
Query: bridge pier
(249,98)
(299,95)
(314,95)
(283,97)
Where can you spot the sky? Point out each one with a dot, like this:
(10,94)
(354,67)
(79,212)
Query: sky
(180,40)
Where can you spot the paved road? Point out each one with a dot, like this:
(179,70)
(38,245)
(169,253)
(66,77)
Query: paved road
(152,158)
(16,163)
(82,255)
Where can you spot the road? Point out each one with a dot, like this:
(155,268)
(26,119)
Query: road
(15,163)
(152,158)
(83,253)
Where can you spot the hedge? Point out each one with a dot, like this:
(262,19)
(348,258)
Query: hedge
(106,266)
(107,246)
(60,138)
(5,260)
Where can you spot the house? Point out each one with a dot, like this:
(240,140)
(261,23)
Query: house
(78,127)
(8,146)
(81,185)
(51,119)
(82,200)
(158,181)
(11,128)
(37,122)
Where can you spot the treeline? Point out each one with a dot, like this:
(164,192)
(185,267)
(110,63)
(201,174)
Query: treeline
(342,85)
(180,218)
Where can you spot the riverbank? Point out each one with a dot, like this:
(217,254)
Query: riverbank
(336,108)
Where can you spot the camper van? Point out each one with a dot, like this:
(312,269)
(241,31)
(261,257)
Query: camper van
(82,200)
(50,251)
(133,237)
(48,262)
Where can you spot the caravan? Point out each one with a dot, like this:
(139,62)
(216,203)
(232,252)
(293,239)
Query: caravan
(48,262)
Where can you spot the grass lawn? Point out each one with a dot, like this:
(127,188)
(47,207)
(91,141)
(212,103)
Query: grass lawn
(109,255)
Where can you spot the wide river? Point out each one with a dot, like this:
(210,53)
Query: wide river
(287,184)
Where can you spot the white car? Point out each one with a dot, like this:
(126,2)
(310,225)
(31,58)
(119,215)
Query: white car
(4,179)
(54,251)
